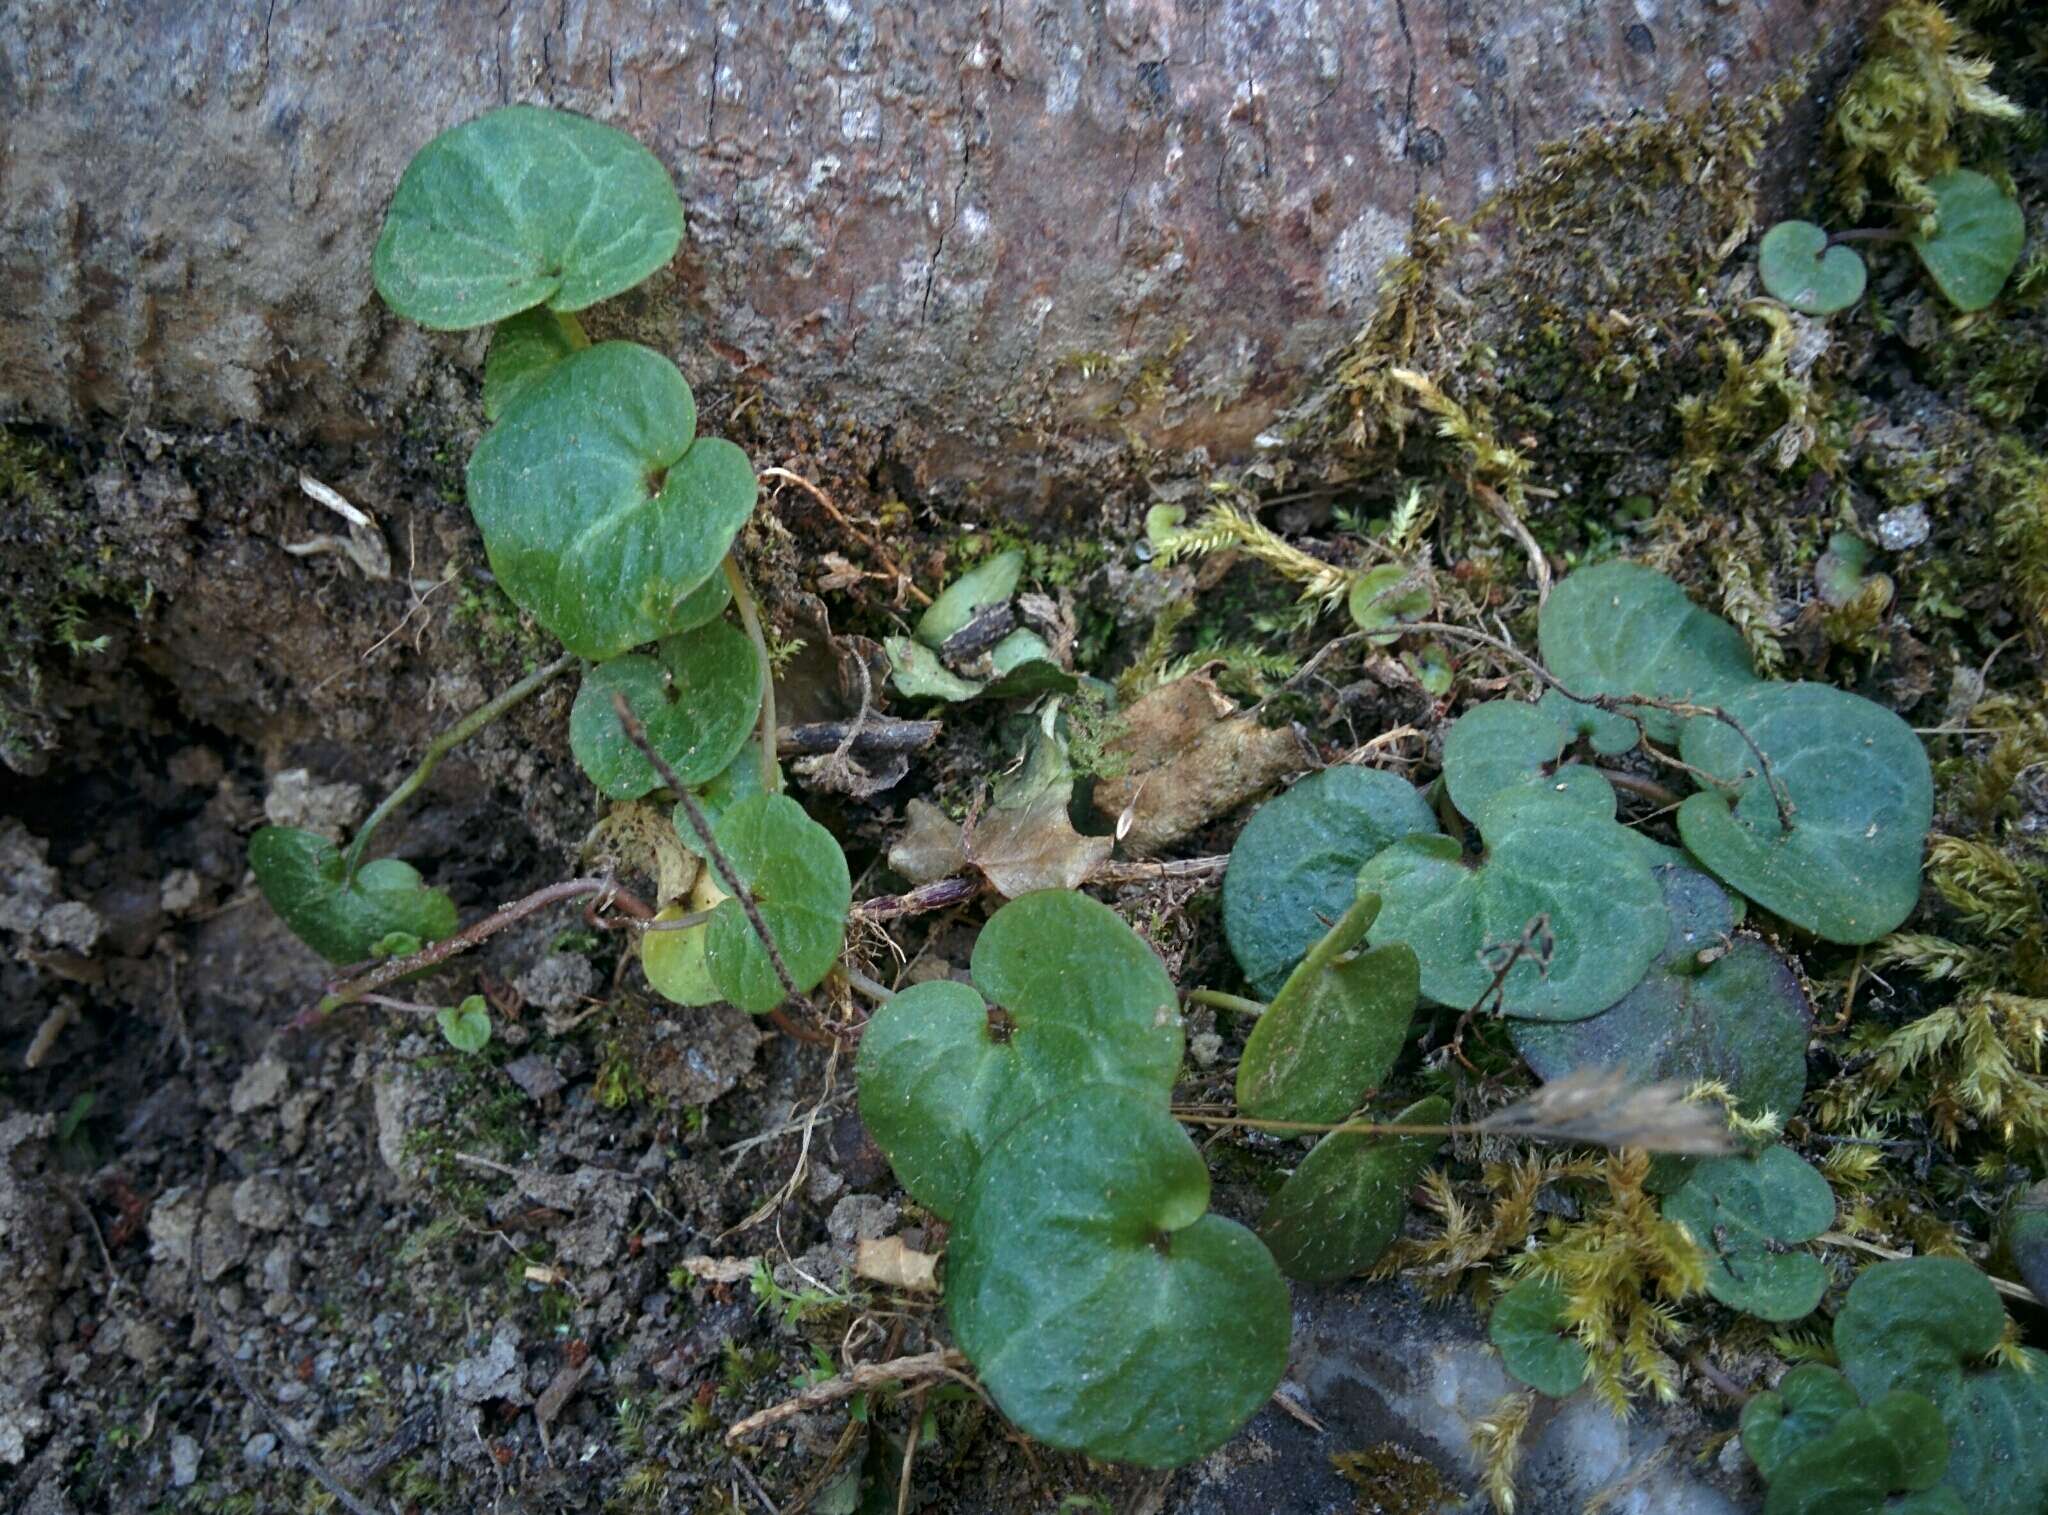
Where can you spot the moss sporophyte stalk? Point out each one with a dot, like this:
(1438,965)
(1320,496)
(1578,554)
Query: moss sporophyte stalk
(1032,1105)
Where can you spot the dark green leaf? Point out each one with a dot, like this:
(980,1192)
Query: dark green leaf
(1746,1214)
(1103,1309)
(798,877)
(1978,233)
(1576,886)
(1712,1007)
(1848,867)
(301,875)
(697,703)
(1798,267)
(523,207)
(1294,869)
(600,508)
(1079,999)
(1527,1325)
(1621,629)
(1802,1409)
(523,348)
(1343,1206)
(1504,745)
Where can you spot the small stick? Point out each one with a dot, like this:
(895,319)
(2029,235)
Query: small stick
(1221,1001)
(1648,789)
(394,969)
(783,475)
(940,1364)
(1139,873)
(938,895)
(440,747)
(750,618)
(734,884)
(876,734)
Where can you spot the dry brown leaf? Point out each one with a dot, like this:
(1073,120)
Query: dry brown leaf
(1191,758)
(721,1270)
(1035,847)
(639,838)
(929,848)
(890,1260)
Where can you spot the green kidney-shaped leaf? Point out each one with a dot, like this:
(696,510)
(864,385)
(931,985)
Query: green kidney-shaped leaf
(917,672)
(1343,1206)
(1332,1031)
(697,702)
(1528,1327)
(1848,866)
(1294,869)
(1587,878)
(1925,1325)
(1621,629)
(1103,1309)
(468,1027)
(990,583)
(1978,233)
(674,962)
(523,347)
(523,207)
(1740,1016)
(1798,267)
(1074,997)
(1388,597)
(1506,745)
(301,876)
(1746,1213)
(599,511)
(740,779)
(800,885)
(1802,1409)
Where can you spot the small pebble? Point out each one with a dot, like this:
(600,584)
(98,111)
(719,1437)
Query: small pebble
(1903,527)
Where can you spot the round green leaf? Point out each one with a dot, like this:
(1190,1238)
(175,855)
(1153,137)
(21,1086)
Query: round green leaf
(1838,572)
(301,876)
(738,780)
(798,877)
(1504,745)
(1802,1409)
(1914,1324)
(1103,1309)
(1741,1016)
(1294,869)
(1746,1213)
(1078,998)
(1847,1470)
(1385,597)
(1329,1036)
(1588,877)
(917,673)
(523,207)
(1978,233)
(1621,629)
(1343,1206)
(990,583)
(697,703)
(599,511)
(1798,267)
(523,347)
(674,962)
(467,1029)
(1848,867)
(1527,1325)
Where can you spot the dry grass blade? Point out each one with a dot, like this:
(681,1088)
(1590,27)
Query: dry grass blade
(1598,1107)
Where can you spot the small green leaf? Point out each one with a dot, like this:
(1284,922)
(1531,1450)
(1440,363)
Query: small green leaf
(1433,669)
(1714,1006)
(1332,1031)
(601,509)
(697,703)
(1074,997)
(301,875)
(917,672)
(1838,572)
(990,583)
(1104,1310)
(1527,1325)
(1294,869)
(798,877)
(1602,915)
(1504,745)
(1343,1206)
(523,207)
(1621,629)
(1978,233)
(1385,597)
(1746,1213)
(1608,734)
(1798,267)
(467,1029)
(674,962)
(523,348)
(1802,1409)
(1848,867)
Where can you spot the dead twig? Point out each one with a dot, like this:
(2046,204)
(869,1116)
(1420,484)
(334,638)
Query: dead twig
(784,476)
(876,734)
(924,1366)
